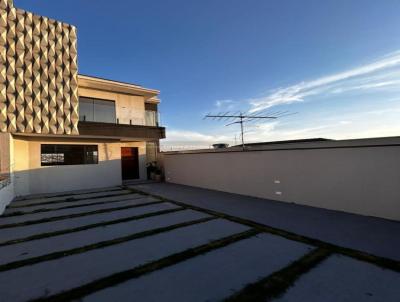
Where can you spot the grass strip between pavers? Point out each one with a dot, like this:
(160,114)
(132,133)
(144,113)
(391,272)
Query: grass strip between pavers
(112,280)
(101,244)
(90,226)
(30,222)
(71,199)
(363,256)
(65,194)
(279,282)
(69,206)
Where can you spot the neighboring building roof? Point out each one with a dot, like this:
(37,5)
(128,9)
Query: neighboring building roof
(308,140)
(118,87)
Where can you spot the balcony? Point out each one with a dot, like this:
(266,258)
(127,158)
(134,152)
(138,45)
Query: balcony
(113,130)
(98,118)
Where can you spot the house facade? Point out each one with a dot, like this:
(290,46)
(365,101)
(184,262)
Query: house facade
(59,130)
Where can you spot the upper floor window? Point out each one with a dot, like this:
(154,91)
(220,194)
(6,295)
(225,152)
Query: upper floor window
(96,110)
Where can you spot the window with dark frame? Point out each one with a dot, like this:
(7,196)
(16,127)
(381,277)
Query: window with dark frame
(64,155)
(96,110)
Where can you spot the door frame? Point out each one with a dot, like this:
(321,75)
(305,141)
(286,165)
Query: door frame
(130,162)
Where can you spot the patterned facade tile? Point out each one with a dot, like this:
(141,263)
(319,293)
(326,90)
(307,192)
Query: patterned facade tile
(38,73)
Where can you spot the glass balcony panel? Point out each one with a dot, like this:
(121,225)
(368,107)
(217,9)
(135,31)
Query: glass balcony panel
(104,111)
(94,110)
(151,118)
(86,109)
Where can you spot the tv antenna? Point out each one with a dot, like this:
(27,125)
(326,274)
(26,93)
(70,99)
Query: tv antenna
(243,117)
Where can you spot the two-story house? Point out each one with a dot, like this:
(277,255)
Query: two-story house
(61,131)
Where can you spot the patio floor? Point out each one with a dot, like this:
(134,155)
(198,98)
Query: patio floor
(161,242)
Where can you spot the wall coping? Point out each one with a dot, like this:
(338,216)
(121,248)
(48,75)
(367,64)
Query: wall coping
(332,144)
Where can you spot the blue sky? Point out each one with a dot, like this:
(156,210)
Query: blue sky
(336,63)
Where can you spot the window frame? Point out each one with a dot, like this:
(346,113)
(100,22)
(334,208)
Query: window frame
(56,155)
(93,113)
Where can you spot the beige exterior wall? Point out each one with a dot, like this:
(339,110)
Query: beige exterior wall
(31,178)
(362,180)
(5,142)
(127,107)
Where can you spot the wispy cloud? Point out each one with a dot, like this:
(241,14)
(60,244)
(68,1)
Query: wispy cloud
(363,126)
(378,74)
(187,136)
(225,104)
(178,139)
(376,116)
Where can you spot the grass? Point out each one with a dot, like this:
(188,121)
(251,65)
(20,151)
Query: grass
(61,217)
(20,213)
(14,205)
(136,272)
(98,245)
(366,257)
(276,284)
(264,289)
(89,226)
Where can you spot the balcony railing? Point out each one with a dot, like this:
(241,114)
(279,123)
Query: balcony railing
(151,118)
(104,111)
(121,130)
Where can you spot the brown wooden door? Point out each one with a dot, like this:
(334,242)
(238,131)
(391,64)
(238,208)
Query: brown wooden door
(130,163)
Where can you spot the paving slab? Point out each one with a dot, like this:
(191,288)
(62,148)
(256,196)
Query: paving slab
(21,232)
(344,279)
(376,236)
(210,277)
(72,211)
(35,248)
(74,192)
(58,205)
(51,277)
(28,202)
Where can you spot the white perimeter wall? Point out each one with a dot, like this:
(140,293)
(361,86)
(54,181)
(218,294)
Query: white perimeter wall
(6,196)
(356,179)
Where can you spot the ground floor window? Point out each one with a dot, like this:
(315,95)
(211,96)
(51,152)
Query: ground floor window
(62,155)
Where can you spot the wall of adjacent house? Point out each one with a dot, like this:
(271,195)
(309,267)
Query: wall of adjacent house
(356,176)
(32,178)
(127,107)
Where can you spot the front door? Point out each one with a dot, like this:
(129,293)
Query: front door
(130,163)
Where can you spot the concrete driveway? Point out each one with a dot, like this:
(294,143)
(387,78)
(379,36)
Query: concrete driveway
(126,244)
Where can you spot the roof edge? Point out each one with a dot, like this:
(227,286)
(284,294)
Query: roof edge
(86,81)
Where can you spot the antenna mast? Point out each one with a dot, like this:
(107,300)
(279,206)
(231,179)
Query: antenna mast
(241,118)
